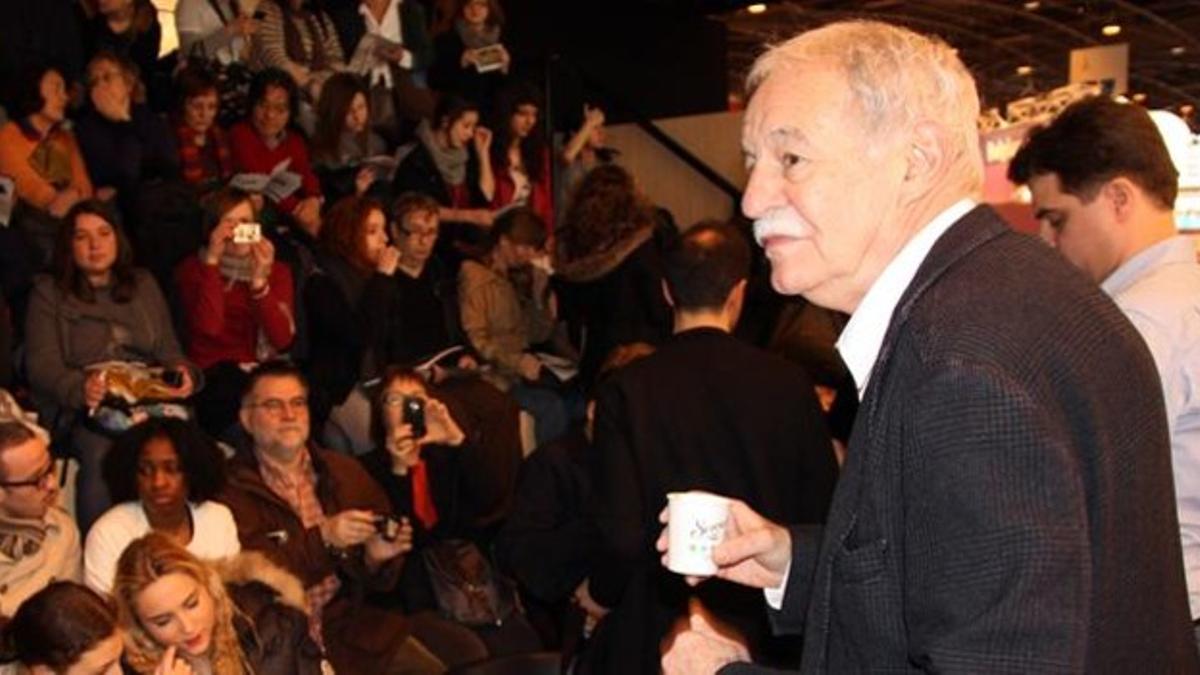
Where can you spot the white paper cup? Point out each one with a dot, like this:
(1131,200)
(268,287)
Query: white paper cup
(696,524)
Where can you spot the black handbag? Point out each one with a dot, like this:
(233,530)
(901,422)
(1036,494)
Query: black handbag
(468,589)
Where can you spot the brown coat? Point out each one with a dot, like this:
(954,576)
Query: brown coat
(359,638)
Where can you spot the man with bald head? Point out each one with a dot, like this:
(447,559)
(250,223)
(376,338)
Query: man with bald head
(1006,503)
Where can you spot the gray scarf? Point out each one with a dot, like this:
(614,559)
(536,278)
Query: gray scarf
(450,162)
(232,267)
(474,39)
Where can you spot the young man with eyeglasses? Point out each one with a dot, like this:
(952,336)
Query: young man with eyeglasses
(314,512)
(39,542)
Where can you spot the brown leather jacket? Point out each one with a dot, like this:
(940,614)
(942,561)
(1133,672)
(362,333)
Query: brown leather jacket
(358,638)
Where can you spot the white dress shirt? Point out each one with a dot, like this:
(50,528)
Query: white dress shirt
(863,336)
(1159,290)
(390,29)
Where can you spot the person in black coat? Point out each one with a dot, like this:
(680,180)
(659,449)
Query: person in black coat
(609,268)
(705,412)
(1007,500)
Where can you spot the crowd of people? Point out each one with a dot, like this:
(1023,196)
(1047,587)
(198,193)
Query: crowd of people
(340,377)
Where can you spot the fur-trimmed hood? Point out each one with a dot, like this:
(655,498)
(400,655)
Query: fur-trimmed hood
(597,264)
(250,567)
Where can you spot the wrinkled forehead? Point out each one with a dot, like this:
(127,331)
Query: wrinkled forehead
(798,102)
(283,386)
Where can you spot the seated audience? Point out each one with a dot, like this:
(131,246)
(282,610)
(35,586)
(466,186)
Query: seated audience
(181,615)
(459,66)
(420,475)
(39,542)
(610,266)
(204,152)
(342,302)
(520,158)
(502,322)
(39,152)
(450,162)
(299,38)
(403,51)
(96,309)
(238,307)
(124,142)
(267,138)
(65,629)
(314,512)
(162,475)
(126,28)
(547,543)
(343,139)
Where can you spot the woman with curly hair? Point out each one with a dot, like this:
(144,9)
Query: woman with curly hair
(608,258)
(181,615)
(162,474)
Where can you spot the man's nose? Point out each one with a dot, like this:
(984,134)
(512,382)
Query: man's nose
(763,193)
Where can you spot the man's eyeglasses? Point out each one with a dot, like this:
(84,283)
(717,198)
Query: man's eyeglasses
(43,479)
(276,406)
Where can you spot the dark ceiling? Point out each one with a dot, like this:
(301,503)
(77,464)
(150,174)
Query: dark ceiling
(994,38)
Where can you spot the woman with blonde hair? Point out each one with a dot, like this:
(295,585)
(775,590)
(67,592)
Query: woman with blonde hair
(239,616)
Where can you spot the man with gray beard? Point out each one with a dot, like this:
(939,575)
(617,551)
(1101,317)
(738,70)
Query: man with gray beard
(1006,503)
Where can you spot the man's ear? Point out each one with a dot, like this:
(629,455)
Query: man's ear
(735,301)
(1121,195)
(926,159)
(244,416)
(667,294)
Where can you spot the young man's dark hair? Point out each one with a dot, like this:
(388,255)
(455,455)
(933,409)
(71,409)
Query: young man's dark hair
(274,78)
(521,225)
(1093,141)
(704,265)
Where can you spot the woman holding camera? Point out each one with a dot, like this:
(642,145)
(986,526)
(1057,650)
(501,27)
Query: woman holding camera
(420,458)
(237,302)
(97,308)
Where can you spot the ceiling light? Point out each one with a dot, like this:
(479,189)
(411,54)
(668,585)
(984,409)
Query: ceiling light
(1111,30)
(757,8)
(1024,70)
(1178,51)
(1032,5)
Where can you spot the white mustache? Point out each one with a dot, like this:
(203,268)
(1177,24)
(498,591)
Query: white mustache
(779,222)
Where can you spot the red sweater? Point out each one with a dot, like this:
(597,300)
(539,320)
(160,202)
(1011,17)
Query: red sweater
(251,155)
(223,320)
(541,198)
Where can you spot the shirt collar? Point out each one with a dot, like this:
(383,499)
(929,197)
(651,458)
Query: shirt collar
(863,336)
(275,472)
(1174,250)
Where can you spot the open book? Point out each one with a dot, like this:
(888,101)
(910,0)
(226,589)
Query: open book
(369,54)
(276,186)
(489,58)
(384,165)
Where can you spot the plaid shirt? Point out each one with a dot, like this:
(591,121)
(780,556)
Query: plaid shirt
(204,164)
(298,487)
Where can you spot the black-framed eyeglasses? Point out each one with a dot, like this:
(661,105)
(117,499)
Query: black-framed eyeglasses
(276,406)
(44,478)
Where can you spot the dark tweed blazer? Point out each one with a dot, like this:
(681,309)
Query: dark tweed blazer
(1007,502)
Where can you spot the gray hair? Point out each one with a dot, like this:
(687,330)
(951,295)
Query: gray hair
(897,78)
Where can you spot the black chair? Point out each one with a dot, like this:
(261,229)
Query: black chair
(537,663)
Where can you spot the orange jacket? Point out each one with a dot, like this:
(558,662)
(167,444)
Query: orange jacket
(15,150)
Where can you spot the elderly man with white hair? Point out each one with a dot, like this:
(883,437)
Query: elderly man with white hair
(1006,504)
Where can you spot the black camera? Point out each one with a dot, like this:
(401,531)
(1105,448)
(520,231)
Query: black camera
(387,527)
(414,415)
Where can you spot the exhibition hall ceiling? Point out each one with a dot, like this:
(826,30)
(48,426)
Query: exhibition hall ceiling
(1015,48)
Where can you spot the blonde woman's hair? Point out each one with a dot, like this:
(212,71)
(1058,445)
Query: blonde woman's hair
(149,559)
(897,78)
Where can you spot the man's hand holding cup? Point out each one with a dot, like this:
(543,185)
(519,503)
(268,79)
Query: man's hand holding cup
(749,549)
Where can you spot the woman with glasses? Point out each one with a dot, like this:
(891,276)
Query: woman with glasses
(96,310)
(162,474)
(238,304)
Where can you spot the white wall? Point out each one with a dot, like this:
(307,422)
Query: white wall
(714,138)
